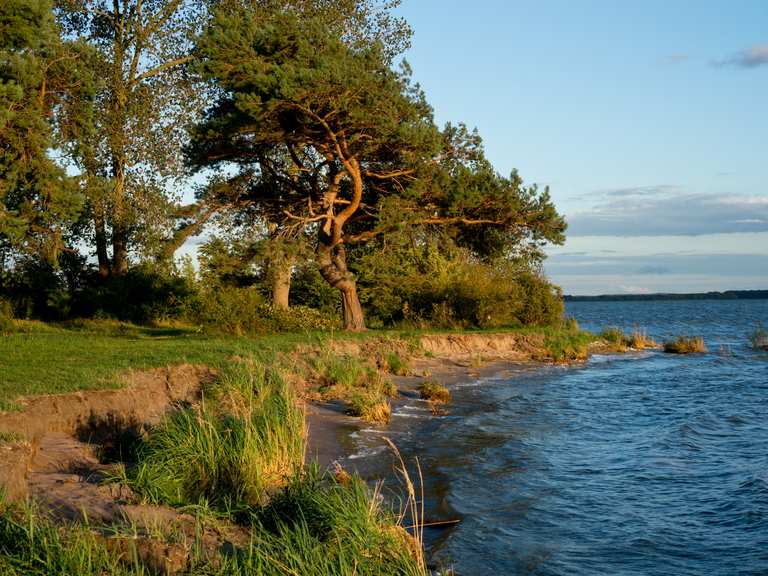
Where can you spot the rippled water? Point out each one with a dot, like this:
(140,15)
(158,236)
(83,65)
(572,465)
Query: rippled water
(635,464)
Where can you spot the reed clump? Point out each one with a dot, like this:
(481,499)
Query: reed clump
(639,340)
(434,392)
(685,345)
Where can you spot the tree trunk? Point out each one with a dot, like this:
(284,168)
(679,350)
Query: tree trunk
(280,271)
(119,228)
(354,320)
(101,241)
(332,260)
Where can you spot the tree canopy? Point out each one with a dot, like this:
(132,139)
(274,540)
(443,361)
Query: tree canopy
(37,199)
(351,142)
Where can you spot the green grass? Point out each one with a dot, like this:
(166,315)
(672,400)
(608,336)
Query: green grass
(47,359)
(395,364)
(315,526)
(369,405)
(50,359)
(565,344)
(30,545)
(240,446)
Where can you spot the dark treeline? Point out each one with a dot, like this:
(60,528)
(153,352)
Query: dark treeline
(323,188)
(727,295)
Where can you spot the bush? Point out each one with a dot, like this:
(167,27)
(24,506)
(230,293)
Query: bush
(685,345)
(240,311)
(435,283)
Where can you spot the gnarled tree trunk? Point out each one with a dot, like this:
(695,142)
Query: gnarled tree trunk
(280,273)
(332,260)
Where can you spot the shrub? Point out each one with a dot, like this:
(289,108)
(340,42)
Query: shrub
(685,345)
(432,282)
(434,392)
(227,309)
(239,311)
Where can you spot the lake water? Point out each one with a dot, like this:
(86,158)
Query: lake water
(636,464)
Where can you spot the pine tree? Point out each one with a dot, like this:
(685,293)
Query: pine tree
(37,198)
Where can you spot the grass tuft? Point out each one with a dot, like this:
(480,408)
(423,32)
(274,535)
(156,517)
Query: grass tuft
(235,450)
(685,345)
(370,406)
(434,392)
(31,545)
(396,365)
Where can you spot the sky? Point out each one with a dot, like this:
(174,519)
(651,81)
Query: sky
(647,120)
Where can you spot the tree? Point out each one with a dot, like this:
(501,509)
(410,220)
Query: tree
(126,136)
(365,155)
(37,199)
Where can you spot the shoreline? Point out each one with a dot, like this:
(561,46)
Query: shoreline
(53,447)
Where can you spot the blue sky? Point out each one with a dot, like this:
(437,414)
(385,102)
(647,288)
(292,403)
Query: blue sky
(647,120)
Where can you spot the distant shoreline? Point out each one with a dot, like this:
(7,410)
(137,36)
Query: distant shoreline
(727,295)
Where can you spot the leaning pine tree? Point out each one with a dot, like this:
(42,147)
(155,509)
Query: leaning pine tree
(365,155)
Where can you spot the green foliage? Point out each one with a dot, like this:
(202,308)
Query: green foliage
(240,446)
(434,392)
(238,311)
(429,281)
(308,288)
(685,345)
(37,199)
(613,335)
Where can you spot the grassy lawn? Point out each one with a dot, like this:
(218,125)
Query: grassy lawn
(46,359)
(50,359)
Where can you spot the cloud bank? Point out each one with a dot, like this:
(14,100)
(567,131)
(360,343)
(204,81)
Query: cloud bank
(658,211)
